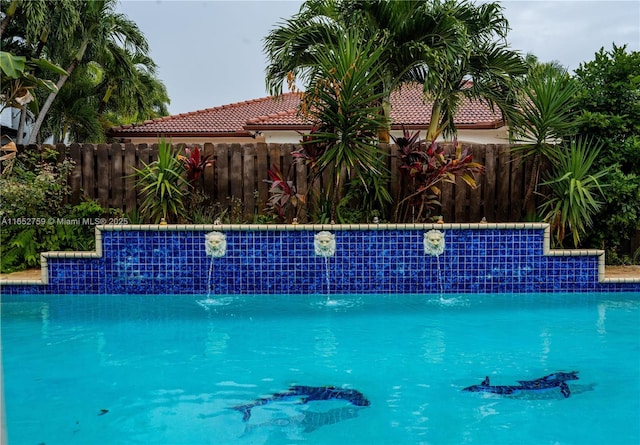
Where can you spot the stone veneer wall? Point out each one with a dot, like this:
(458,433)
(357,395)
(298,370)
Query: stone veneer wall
(280,259)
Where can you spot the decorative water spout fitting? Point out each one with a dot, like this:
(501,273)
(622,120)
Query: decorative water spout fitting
(434,243)
(215,244)
(324,244)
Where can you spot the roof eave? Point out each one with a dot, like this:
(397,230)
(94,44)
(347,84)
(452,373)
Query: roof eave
(462,126)
(168,134)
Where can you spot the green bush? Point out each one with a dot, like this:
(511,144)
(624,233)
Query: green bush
(35,215)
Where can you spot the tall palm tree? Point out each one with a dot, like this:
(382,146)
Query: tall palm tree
(478,65)
(321,24)
(442,44)
(100,35)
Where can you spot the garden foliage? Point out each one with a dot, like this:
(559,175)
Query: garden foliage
(424,166)
(609,101)
(35,213)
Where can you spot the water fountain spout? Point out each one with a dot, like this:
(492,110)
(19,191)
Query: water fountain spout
(434,245)
(215,244)
(324,244)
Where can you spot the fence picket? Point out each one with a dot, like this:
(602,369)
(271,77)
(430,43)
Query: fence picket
(117,178)
(222,169)
(130,200)
(88,171)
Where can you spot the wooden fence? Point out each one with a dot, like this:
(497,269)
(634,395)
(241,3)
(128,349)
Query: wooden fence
(104,172)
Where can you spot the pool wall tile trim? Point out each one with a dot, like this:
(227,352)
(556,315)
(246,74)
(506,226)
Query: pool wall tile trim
(370,258)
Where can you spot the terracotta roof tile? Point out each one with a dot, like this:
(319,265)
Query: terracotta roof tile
(407,108)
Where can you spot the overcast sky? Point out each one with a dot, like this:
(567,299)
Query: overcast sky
(209,52)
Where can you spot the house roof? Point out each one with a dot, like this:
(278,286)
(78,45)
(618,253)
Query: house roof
(241,119)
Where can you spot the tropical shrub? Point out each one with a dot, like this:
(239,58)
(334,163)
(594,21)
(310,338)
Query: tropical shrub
(547,100)
(282,193)
(163,186)
(575,189)
(35,213)
(608,103)
(342,99)
(194,164)
(423,168)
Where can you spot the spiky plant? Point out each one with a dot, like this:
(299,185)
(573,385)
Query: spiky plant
(163,186)
(575,189)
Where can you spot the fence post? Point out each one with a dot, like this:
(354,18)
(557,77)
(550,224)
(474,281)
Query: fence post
(117,187)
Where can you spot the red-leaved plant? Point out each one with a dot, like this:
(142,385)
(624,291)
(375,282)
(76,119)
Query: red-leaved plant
(194,164)
(282,193)
(423,168)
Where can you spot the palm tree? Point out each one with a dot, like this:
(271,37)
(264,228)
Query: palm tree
(442,44)
(321,24)
(95,98)
(133,94)
(73,115)
(27,27)
(97,38)
(478,65)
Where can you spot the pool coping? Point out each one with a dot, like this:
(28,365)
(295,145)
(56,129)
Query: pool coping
(97,253)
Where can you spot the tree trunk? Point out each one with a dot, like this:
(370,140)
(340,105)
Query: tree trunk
(528,206)
(432,132)
(47,104)
(384,133)
(21,125)
(9,13)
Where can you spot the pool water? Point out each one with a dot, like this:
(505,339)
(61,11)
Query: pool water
(167,369)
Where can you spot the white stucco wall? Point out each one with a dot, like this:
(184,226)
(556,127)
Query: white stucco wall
(491,136)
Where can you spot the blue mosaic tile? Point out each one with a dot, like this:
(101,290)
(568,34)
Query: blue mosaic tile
(284,262)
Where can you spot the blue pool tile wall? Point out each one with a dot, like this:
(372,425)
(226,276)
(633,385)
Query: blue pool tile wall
(270,261)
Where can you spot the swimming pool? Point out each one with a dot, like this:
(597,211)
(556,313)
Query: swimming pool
(83,369)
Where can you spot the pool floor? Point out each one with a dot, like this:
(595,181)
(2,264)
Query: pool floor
(168,369)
